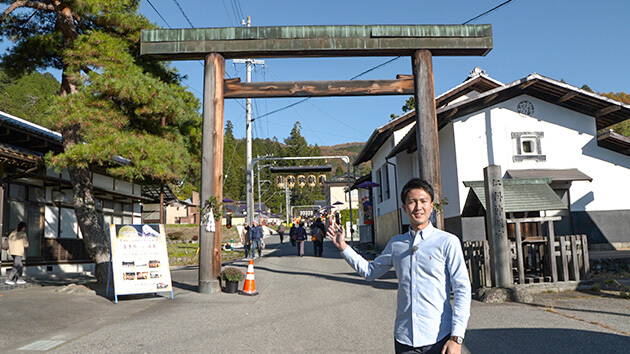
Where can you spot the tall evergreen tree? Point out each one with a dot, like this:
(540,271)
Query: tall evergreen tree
(111,102)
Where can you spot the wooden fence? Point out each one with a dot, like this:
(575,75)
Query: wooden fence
(532,262)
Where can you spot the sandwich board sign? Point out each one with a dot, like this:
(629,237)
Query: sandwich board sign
(139,260)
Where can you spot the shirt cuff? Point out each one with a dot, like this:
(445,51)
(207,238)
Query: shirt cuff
(459,332)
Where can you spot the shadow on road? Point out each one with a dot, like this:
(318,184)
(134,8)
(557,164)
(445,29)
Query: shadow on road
(544,340)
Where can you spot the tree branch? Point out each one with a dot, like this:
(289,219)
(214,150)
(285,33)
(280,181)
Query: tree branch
(24,3)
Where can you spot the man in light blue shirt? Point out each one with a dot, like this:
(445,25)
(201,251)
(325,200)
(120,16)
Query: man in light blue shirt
(429,263)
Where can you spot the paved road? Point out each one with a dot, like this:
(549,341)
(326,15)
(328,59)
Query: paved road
(306,305)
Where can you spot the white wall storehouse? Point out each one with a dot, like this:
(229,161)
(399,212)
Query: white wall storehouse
(532,127)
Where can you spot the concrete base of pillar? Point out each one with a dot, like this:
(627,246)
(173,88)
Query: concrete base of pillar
(210,287)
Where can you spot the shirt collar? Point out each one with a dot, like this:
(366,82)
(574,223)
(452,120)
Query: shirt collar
(424,233)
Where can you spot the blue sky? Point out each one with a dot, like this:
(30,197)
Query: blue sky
(582,42)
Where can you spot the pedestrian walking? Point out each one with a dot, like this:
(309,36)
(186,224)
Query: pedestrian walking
(300,237)
(317,233)
(429,263)
(292,234)
(256,236)
(281,230)
(245,239)
(18,241)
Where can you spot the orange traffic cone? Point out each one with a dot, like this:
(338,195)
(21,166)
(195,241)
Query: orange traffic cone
(250,284)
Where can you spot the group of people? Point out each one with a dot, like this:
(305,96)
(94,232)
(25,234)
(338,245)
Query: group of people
(252,239)
(298,236)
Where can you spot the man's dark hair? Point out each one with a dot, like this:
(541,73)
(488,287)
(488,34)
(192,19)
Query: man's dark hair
(21,226)
(416,183)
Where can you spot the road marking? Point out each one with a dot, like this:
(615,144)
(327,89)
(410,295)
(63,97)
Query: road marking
(42,345)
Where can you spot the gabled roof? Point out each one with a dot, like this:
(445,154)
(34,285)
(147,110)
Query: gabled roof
(343,178)
(520,195)
(21,133)
(606,111)
(477,81)
(615,142)
(556,175)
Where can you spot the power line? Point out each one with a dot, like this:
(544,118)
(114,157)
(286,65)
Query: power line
(183,13)
(228,13)
(159,14)
(374,68)
(487,12)
(377,66)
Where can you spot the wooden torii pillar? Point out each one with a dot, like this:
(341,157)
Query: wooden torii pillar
(214,45)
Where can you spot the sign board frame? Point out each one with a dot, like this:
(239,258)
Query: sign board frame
(139,260)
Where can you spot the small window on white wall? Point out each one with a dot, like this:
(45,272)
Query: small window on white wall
(528,146)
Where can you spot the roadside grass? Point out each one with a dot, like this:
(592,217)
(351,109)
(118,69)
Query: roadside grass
(183,243)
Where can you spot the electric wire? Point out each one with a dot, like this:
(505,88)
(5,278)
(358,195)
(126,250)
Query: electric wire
(377,66)
(228,13)
(159,14)
(487,12)
(183,13)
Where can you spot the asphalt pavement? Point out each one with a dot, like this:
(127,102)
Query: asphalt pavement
(305,305)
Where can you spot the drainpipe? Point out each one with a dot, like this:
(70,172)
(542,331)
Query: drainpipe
(397,202)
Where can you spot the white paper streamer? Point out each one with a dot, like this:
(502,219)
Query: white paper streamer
(210,224)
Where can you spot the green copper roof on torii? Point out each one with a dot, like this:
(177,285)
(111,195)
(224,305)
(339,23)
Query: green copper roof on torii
(316,41)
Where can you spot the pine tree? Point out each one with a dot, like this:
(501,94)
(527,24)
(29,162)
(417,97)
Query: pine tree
(111,102)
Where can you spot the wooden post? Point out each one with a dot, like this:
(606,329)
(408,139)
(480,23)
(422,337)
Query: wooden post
(564,258)
(519,253)
(496,229)
(162,221)
(551,252)
(211,170)
(587,264)
(574,258)
(426,125)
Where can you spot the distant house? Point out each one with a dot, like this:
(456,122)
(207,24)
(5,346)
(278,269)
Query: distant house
(337,192)
(43,199)
(176,211)
(534,127)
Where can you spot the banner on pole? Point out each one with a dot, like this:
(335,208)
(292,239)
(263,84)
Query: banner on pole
(140,259)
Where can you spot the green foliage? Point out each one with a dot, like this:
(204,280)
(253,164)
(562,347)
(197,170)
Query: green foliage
(214,204)
(410,105)
(344,216)
(122,105)
(622,128)
(28,96)
(232,274)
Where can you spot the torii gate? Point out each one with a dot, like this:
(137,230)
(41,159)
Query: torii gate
(214,45)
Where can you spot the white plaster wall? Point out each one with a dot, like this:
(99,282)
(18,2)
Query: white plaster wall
(101,181)
(51,221)
(569,142)
(123,187)
(449,173)
(400,133)
(378,160)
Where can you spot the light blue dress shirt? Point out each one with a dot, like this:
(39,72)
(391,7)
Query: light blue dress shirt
(428,265)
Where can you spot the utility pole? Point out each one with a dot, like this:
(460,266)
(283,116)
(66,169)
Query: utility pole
(288,199)
(248,108)
(259,194)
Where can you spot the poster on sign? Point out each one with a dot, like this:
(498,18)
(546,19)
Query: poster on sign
(139,260)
